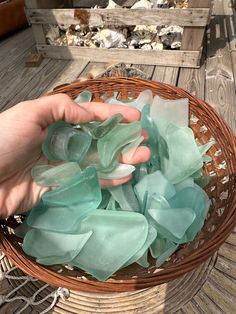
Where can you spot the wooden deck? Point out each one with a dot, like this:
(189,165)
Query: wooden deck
(214,81)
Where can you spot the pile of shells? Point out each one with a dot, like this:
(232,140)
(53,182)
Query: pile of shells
(150,37)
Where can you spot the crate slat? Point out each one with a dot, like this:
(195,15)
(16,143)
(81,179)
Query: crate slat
(156,57)
(117,17)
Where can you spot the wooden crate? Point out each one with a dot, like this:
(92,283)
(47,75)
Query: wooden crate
(194,20)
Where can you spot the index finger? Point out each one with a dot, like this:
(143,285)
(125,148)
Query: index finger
(103,111)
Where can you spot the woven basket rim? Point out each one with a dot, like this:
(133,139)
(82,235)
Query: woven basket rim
(167,274)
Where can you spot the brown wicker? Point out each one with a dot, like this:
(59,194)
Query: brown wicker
(221,219)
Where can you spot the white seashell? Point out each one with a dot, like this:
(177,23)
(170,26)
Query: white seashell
(108,38)
(146,47)
(52,34)
(157,46)
(142,4)
(112,5)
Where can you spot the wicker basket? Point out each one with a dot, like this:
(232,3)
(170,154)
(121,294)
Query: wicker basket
(221,219)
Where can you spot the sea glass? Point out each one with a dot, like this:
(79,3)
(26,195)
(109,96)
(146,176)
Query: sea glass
(58,218)
(47,175)
(111,144)
(153,140)
(99,129)
(172,223)
(22,229)
(117,236)
(131,148)
(54,248)
(105,199)
(154,183)
(151,236)
(111,204)
(125,197)
(162,249)
(121,170)
(165,112)
(144,98)
(85,96)
(65,143)
(184,156)
(82,191)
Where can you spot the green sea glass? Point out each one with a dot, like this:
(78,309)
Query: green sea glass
(99,129)
(153,140)
(161,245)
(131,148)
(65,143)
(82,191)
(54,248)
(184,157)
(85,96)
(58,218)
(125,197)
(111,204)
(111,144)
(47,175)
(117,236)
(151,236)
(121,170)
(165,112)
(154,183)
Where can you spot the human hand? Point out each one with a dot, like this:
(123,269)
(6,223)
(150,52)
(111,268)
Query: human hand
(23,130)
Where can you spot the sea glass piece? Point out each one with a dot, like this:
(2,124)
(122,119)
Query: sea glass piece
(184,156)
(65,143)
(125,197)
(121,170)
(131,148)
(188,182)
(105,199)
(203,149)
(99,129)
(159,246)
(110,145)
(203,181)
(165,112)
(117,236)
(85,96)
(141,172)
(172,223)
(51,248)
(47,175)
(58,218)
(144,98)
(151,236)
(166,252)
(154,183)
(111,204)
(153,140)
(198,201)
(143,261)
(82,191)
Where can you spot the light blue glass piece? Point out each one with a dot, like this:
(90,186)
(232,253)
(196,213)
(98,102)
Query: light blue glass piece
(197,199)
(172,223)
(125,197)
(82,191)
(184,157)
(117,236)
(206,158)
(159,246)
(121,170)
(59,219)
(130,149)
(141,172)
(189,182)
(141,256)
(85,96)
(99,129)
(154,183)
(65,143)
(105,199)
(51,248)
(111,204)
(165,112)
(111,144)
(47,175)
(203,149)
(203,181)
(158,202)
(166,254)
(153,140)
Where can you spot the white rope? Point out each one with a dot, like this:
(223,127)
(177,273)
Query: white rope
(30,301)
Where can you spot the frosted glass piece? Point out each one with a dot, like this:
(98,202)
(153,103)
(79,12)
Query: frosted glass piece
(85,96)
(165,112)
(47,175)
(117,236)
(51,248)
(121,170)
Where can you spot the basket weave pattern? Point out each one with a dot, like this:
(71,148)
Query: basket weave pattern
(206,124)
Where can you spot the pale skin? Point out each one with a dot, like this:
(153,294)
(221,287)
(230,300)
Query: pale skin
(23,130)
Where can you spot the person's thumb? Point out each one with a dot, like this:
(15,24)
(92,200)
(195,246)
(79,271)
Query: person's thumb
(50,109)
